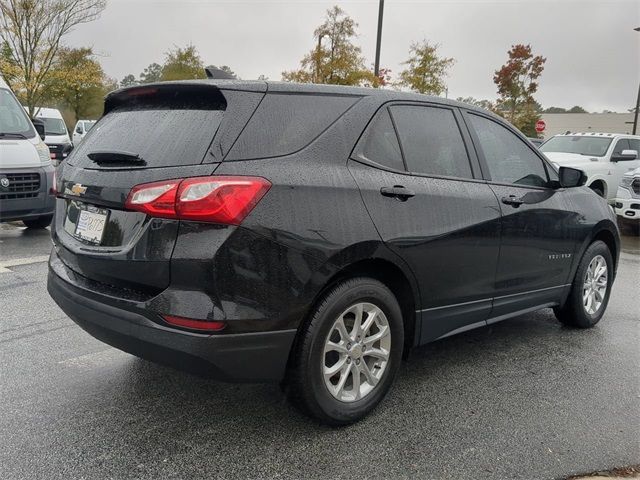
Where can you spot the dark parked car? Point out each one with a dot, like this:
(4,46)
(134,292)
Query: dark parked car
(312,235)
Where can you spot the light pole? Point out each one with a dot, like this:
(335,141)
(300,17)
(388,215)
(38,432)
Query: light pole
(635,115)
(376,66)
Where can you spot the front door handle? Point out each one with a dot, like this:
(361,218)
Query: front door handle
(397,191)
(513,201)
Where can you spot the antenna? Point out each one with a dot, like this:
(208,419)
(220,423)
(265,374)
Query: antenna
(216,73)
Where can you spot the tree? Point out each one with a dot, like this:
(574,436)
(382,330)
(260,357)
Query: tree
(128,81)
(517,82)
(77,82)
(384,77)
(486,104)
(8,68)
(33,30)
(153,73)
(426,71)
(228,70)
(182,64)
(555,110)
(335,59)
(577,109)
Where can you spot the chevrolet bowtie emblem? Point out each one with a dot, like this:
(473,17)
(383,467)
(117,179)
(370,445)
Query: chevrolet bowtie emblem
(78,189)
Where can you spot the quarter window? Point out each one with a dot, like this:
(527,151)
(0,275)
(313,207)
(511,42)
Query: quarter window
(380,142)
(431,141)
(508,158)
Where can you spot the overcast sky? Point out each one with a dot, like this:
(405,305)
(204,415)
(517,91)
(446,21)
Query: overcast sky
(593,54)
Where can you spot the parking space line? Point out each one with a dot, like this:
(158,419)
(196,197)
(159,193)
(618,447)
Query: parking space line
(6,265)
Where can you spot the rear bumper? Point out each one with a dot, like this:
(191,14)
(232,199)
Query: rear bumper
(244,357)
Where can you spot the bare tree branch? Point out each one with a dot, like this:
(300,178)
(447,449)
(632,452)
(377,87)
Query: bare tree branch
(33,29)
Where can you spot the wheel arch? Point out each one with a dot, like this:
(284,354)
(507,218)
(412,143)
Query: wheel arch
(607,232)
(373,260)
(598,182)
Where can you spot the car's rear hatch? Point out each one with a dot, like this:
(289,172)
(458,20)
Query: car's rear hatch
(148,134)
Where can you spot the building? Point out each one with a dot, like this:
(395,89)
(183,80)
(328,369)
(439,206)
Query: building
(587,122)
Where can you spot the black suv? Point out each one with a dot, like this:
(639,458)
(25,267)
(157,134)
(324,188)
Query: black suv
(308,234)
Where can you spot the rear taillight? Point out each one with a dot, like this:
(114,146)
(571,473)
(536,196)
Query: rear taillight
(226,200)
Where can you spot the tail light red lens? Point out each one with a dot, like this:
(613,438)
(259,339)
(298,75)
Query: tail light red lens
(226,200)
(204,325)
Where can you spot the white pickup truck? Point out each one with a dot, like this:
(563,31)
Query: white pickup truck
(604,157)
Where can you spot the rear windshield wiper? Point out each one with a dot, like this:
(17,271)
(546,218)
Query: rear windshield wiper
(12,135)
(116,156)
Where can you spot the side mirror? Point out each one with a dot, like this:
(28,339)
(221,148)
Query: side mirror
(79,129)
(625,155)
(571,177)
(39,126)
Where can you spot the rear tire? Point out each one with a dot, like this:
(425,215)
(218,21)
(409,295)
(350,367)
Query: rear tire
(590,289)
(39,222)
(365,362)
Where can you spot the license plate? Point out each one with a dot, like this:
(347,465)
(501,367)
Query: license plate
(90,226)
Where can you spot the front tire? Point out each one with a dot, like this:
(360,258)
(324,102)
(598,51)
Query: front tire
(349,353)
(590,289)
(39,222)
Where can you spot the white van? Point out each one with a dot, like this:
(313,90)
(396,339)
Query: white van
(27,190)
(56,133)
(81,129)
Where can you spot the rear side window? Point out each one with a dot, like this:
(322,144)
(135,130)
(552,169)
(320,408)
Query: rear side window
(509,159)
(431,141)
(163,132)
(379,142)
(622,144)
(286,123)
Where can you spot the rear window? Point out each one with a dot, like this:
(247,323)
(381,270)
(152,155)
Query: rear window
(286,123)
(163,132)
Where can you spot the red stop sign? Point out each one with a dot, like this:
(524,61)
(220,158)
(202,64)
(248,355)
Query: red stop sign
(540,126)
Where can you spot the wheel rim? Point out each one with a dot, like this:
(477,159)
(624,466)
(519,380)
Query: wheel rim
(356,352)
(595,285)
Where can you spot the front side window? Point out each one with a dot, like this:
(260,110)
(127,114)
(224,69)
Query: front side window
(508,158)
(431,141)
(13,119)
(380,142)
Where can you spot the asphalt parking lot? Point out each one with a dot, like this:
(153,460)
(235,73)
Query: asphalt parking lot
(526,398)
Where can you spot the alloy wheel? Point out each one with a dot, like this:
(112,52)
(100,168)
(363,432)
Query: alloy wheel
(595,285)
(356,352)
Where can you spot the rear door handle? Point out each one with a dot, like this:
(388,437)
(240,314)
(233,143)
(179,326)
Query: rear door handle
(397,191)
(513,201)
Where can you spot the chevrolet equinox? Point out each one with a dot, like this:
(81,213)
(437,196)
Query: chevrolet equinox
(312,235)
